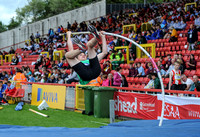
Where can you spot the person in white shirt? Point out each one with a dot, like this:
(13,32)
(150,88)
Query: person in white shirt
(150,84)
(187,81)
(19,57)
(197,21)
(176,24)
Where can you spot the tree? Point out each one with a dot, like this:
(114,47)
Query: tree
(35,10)
(2,27)
(13,23)
(59,6)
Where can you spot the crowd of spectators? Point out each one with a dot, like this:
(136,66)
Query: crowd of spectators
(166,20)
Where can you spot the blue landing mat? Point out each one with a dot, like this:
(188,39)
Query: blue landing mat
(135,128)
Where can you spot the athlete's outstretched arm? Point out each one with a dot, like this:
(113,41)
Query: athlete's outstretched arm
(104,47)
(69,41)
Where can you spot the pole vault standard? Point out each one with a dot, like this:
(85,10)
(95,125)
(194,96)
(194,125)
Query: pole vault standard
(158,72)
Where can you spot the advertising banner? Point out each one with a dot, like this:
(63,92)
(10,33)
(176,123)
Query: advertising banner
(141,106)
(179,107)
(54,95)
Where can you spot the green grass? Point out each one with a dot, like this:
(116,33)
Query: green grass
(57,118)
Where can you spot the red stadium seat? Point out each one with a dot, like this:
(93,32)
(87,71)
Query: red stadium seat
(186,72)
(192,73)
(197,52)
(198,72)
(198,64)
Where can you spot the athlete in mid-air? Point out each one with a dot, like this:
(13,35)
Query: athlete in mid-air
(87,69)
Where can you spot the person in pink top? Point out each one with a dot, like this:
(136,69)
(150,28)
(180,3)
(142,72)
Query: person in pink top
(117,81)
(105,80)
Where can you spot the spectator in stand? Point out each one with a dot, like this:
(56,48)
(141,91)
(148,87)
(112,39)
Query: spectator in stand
(175,78)
(68,26)
(171,67)
(12,71)
(107,67)
(148,35)
(159,64)
(162,71)
(134,36)
(15,60)
(183,62)
(2,91)
(64,75)
(133,72)
(153,34)
(72,77)
(39,61)
(140,69)
(60,80)
(168,62)
(116,58)
(181,68)
(12,51)
(192,63)
(37,36)
(197,22)
(156,80)
(124,81)
(4,75)
(150,84)
(141,39)
(10,90)
(110,79)
(19,57)
(192,37)
(171,35)
(182,25)
(163,25)
(159,32)
(32,37)
(196,84)
(150,69)
(31,78)
(105,80)
(117,81)
(176,24)
(19,76)
(188,82)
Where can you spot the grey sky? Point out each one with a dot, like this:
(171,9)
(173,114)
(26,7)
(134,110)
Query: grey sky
(8,7)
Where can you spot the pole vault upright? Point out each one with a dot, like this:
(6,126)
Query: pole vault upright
(158,72)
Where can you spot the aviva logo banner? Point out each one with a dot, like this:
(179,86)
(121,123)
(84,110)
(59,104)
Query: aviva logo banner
(54,95)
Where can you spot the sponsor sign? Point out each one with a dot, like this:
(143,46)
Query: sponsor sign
(54,95)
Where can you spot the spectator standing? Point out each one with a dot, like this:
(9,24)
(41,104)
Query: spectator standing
(192,37)
(175,78)
(117,81)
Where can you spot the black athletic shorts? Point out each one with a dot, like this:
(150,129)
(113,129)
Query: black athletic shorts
(89,72)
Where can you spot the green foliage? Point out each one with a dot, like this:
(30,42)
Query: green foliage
(57,118)
(35,10)
(2,27)
(13,24)
(40,9)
